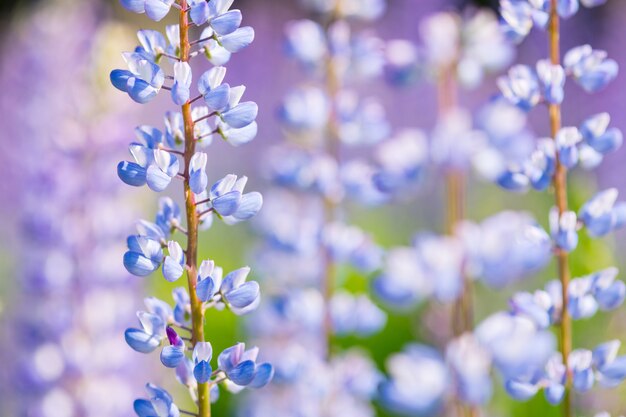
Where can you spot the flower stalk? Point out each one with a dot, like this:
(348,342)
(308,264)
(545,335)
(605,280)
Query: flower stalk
(197,311)
(560,191)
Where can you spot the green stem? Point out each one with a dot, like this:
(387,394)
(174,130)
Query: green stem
(197,312)
(560,191)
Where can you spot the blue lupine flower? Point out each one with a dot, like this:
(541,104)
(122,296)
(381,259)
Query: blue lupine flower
(402,62)
(517,19)
(227,199)
(472,382)
(418,381)
(563,229)
(144,255)
(152,231)
(608,292)
(401,161)
(555,371)
(182,307)
(581,303)
(216,94)
(305,109)
(306,42)
(143,79)
(168,216)
(538,307)
(213,51)
(611,368)
(149,337)
(361,122)
(202,354)
(542,164)
(209,280)
(182,82)
(567,8)
(567,140)
(590,68)
(351,244)
(403,281)
(174,262)
(160,173)
(203,130)
(553,79)
(579,362)
(241,368)
(521,87)
(355,315)
(153,44)
(241,296)
(239,115)
(237,137)
(174,129)
(515,344)
(153,166)
(174,354)
(198,179)
(226,100)
(597,135)
(496,259)
(601,215)
(160,403)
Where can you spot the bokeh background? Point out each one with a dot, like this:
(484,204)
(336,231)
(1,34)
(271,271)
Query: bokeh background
(55,57)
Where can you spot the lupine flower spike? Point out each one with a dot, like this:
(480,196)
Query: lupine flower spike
(162,156)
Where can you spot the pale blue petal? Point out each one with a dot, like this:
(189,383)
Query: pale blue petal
(554,393)
(199,13)
(241,115)
(227,23)
(217,99)
(521,391)
(239,39)
(172,270)
(567,8)
(244,295)
(237,137)
(227,204)
(157,9)
(157,180)
(249,206)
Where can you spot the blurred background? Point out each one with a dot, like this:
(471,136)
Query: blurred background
(65,216)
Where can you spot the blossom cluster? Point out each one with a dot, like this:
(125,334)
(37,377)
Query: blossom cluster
(213,109)
(310,246)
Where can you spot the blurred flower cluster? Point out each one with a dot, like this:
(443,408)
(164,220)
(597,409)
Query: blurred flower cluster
(62,352)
